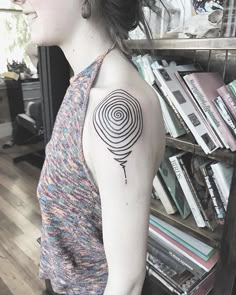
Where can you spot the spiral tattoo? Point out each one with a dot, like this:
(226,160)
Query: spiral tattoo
(118,121)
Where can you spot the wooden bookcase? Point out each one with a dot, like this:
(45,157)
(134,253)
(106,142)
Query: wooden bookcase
(215,54)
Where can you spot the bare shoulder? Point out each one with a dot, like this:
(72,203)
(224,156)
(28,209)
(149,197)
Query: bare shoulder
(133,105)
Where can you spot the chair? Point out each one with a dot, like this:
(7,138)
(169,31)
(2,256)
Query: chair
(32,123)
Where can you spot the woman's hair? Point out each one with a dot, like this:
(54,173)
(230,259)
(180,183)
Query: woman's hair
(122,16)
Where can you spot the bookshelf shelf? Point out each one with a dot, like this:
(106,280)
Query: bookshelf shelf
(187,225)
(186,143)
(182,44)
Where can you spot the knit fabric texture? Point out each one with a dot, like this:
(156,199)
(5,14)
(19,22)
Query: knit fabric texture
(72,252)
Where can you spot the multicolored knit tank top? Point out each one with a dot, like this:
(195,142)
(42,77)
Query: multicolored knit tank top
(72,251)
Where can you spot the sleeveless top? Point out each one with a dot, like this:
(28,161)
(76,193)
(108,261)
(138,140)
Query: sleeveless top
(72,252)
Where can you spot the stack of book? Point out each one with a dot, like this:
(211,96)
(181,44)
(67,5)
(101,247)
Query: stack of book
(193,101)
(190,184)
(200,104)
(181,263)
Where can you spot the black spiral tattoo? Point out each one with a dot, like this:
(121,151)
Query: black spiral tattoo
(118,120)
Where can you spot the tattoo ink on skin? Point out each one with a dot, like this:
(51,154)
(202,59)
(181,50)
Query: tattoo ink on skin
(118,121)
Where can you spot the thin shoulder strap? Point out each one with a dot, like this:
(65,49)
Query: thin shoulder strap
(108,50)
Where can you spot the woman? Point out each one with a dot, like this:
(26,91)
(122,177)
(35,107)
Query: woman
(107,143)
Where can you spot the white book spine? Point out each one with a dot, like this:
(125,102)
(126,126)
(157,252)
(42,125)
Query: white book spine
(169,207)
(148,69)
(187,190)
(219,103)
(186,110)
(175,132)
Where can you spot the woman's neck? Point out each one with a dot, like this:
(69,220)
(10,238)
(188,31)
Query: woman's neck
(86,44)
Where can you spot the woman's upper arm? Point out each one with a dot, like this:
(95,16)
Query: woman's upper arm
(125,157)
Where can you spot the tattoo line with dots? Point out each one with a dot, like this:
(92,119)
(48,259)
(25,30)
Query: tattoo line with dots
(118,121)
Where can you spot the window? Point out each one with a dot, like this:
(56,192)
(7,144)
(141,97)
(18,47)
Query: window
(14,35)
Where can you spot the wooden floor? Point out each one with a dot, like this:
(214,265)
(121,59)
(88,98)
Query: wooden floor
(20,221)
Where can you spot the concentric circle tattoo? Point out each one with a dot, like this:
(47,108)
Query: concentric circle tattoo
(118,120)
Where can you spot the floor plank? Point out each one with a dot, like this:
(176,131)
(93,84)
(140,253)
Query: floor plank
(4,289)
(20,223)
(16,281)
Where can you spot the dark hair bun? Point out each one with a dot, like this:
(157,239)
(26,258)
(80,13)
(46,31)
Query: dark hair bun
(122,16)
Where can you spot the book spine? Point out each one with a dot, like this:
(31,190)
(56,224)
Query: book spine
(191,117)
(137,61)
(175,128)
(177,251)
(177,239)
(170,103)
(176,193)
(220,212)
(215,134)
(216,185)
(188,194)
(225,114)
(211,112)
(232,88)
(167,204)
(228,99)
(194,194)
(193,244)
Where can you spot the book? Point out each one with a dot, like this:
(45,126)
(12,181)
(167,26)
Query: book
(213,193)
(172,184)
(175,127)
(138,63)
(187,189)
(174,72)
(196,246)
(168,100)
(193,119)
(179,248)
(172,124)
(202,189)
(228,99)
(204,88)
(181,263)
(216,186)
(232,88)
(225,114)
(223,174)
(215,132)
(197,190)
(163,194)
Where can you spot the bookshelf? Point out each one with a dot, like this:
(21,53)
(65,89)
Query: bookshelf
(186,143)
(223,237)
(183,44)
(188,225)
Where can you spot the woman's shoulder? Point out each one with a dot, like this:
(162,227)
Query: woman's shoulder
(129,91)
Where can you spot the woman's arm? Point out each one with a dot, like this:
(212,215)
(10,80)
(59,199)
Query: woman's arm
(128,141)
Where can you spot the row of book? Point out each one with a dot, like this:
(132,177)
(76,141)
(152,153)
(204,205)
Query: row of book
(191,184)
(181,264)
(193,101)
